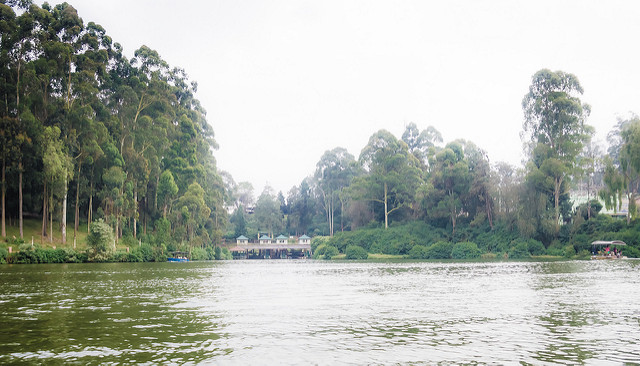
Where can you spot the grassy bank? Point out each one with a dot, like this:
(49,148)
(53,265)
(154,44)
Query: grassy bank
(32,230)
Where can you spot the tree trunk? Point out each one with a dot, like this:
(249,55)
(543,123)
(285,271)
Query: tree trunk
(556,198)
(386,211)
(144,213)
(341,215)
(117,224)
(20,222)
(332,208)
(90,210)
(4,189)
(63,221)
(155,200)
(50,213)
(487,202)
(45,195)
(76,222)
(135,212)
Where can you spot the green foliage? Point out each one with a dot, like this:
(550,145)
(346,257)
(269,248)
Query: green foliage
(317,241)
(356,252)
(569,251)
(465,250)
(101,241)
(535,247)
(199,254)
(221,254)
(145,252)
(79,117)
(393,175)
(631,252)
(324,251)
(4,253)
(122,256)
(440,250)
(519,250)
(28,254)
(418,252)
(330,252)
(15,241)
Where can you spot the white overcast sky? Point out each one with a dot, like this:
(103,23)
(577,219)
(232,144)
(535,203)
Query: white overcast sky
(284,81)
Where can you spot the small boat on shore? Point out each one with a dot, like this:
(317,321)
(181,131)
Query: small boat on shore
(179,257)
(603,249)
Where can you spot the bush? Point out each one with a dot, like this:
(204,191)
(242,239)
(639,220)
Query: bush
(325,251)
(356,252)
(145,252)
(15,241)
(319,252)
(126,257)
(569,251)
(317,241)
(535,247)
(465,250)
(440,250)
(100,241)
(330,252)
(519,249)
(4,253)
(226,254)
(418,252)
(199,254)
(631,252)
(71,256)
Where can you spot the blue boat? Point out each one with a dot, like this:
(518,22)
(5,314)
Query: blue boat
(179,257)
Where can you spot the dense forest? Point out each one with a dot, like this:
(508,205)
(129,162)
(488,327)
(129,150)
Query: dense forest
(88,134)
(92,139)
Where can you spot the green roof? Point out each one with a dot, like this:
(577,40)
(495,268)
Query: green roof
(242,237)
(281,237)
(304,237)
(264,237)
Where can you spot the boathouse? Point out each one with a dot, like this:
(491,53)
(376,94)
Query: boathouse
(266,249)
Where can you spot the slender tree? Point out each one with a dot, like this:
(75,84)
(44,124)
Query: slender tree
(554,125)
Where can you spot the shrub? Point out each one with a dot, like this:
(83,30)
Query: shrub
(145,252)
(226,254)
(199,254)
(356,252)
(631,252)
(100,241)
(126,257)
(319,252)
(4,253)
(535,247)
(160,253)
(71,256)
(519,249)
(465,250)
(569,251)
(440,250)
(15,241)
(418,252)
(317,241)
(330,252)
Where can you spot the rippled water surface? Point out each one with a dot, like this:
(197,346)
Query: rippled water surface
(308,312)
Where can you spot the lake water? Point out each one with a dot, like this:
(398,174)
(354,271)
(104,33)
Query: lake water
(314,312)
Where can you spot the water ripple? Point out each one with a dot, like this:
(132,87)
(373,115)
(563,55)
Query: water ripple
(308,312)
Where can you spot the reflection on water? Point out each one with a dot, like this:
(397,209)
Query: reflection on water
(298,312)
